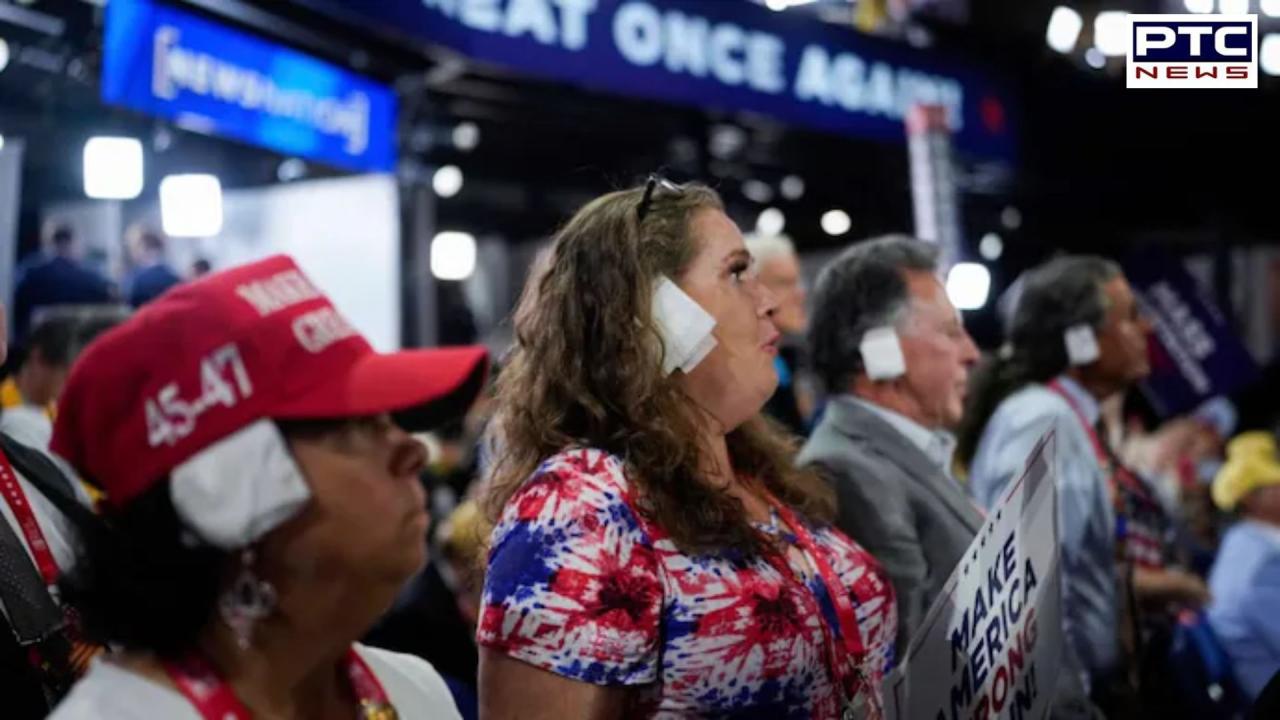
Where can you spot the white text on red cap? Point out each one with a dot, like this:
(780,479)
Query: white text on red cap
(170,418)
(280,291)
(321,328)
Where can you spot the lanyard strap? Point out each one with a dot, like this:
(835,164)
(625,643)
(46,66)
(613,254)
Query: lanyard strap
(1104,458)
(213,698)
(22,512)
(845,614)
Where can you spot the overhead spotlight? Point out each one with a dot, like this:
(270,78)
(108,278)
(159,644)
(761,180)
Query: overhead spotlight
(1111,32)
(191,205)
(291,169)
(757,191)
(836,222)
(792,187)
(4,54)
(447,181)
(1011,218)
(727,140)
(113,168)
(453,255)
(968,285)
(1064,29)
(466,136)
(1270,8)
(1200,7)
(1095,58)
(1269,54)
(771,222)
(1,142)
(991,247)
(1233,7)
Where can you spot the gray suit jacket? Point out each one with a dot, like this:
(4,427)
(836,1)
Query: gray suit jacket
(899,506)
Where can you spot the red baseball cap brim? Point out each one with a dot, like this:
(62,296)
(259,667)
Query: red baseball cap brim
(420,388)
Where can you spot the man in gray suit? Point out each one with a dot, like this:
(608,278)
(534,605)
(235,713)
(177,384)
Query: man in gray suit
(895,359)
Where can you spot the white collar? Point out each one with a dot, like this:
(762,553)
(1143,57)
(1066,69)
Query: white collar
(937,445)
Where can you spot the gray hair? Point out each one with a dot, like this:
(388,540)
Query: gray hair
(1065,292)
(863,288)
(764,248)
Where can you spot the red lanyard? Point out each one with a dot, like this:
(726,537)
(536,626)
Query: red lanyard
(17,499)
(1104,459)
(845,613)
(1118,475)
(213,698)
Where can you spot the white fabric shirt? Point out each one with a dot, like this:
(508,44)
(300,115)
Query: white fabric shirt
(28,425)
(110,692)
(937,445)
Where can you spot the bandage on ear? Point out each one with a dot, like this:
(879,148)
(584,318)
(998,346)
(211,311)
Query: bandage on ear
(686,328)
(1082,345)
(882,354)
(240,488)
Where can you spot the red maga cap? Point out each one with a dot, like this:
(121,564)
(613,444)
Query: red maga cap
(209,357)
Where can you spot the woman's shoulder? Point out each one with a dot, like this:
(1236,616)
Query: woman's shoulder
(587,472)
(413,686)
(586,489)
(111,692)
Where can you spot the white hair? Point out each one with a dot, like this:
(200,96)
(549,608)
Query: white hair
(764,248)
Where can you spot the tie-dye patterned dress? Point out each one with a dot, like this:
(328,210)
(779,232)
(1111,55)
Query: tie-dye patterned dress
(581,584)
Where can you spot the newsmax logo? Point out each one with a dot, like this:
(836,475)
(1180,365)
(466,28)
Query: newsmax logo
(1192,51)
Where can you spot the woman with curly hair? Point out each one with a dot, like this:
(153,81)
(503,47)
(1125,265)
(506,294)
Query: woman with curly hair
(655,552)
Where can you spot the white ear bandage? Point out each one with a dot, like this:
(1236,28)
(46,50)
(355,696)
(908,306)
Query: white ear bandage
(1082,345)
(882,354)
(685,327)
(240,488)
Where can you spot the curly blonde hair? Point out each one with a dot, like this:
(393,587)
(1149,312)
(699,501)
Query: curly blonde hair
(586,372)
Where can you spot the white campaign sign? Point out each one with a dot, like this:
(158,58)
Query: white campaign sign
(991,645)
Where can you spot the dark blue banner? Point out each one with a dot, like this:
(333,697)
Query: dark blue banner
(1195,352)
(726,54)
(214,79)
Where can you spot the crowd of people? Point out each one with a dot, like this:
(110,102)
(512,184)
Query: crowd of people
(689,489)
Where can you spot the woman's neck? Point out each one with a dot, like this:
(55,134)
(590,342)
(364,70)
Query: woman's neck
(718,469)
(294,666)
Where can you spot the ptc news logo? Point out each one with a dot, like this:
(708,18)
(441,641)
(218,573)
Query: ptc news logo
(1192,51)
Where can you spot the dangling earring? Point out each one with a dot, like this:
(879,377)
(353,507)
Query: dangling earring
(248,600)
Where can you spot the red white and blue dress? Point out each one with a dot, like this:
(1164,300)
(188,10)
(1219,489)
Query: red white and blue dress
(583,585)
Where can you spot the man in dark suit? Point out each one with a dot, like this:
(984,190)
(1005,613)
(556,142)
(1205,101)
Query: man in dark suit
(151,275)
(56,278)
(895,359)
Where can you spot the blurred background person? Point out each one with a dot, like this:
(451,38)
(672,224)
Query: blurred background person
(1076,338)
(28,397)
(1181,458)
(250,542)
(885,442)
(199,268)
(40,370)
(1245,580)
(56,278)
(778,268)
(643,508)
(151,274)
